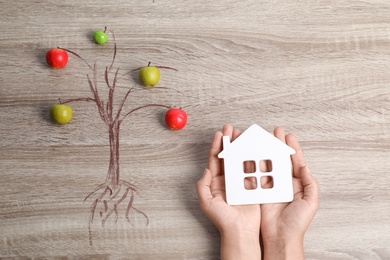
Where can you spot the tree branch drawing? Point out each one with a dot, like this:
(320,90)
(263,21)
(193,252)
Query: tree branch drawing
(114,191)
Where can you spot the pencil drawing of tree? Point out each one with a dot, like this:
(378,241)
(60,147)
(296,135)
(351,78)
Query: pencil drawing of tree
(113,191)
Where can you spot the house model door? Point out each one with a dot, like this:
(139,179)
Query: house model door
(256,147)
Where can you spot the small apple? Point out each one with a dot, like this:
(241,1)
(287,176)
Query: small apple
(100,37)
(149,75)
(176,118)
(56,58)
(61,113)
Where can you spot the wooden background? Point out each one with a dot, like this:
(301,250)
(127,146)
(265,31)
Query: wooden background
(320,69)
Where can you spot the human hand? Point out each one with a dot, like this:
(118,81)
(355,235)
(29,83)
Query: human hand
(239,225)
(283,225)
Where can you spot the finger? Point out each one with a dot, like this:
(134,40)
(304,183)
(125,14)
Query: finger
(310,187)
(298,161)
(250,183)
(217,185)
(227,130)
(269,165)
(267,182)
(265,165)
(214,163)
(203,189)
(280,134)
(249,166)
(236,133)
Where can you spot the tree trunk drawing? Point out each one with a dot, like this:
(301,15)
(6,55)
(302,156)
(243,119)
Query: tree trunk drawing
(113,169)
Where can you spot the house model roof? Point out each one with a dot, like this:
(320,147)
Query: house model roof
(255,140)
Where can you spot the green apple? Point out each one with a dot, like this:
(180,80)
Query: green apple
(61,113)
(149,76)
(100,37)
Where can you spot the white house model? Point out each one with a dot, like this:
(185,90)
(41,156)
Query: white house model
(257,147)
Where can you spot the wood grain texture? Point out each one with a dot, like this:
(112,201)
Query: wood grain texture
(318,68)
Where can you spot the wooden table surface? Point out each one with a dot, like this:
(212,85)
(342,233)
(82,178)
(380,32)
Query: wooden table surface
(320,69)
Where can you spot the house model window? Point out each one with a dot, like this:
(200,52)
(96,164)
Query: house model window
(264,166)
(257,168)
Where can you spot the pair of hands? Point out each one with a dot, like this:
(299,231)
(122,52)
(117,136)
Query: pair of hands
(282,225)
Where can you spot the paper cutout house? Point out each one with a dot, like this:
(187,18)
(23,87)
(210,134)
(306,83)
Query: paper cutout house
(253,146)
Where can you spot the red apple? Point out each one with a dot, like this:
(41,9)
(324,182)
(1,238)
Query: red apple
(176,118)
(57,58)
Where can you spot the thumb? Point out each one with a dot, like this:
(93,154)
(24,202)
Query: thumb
(203,188)
(310,187)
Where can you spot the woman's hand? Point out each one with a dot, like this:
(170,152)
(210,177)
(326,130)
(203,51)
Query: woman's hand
(239,225)
(283,225)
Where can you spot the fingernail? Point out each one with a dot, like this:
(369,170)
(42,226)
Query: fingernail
(204,172)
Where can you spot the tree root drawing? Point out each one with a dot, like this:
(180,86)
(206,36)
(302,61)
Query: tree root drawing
(108,200)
